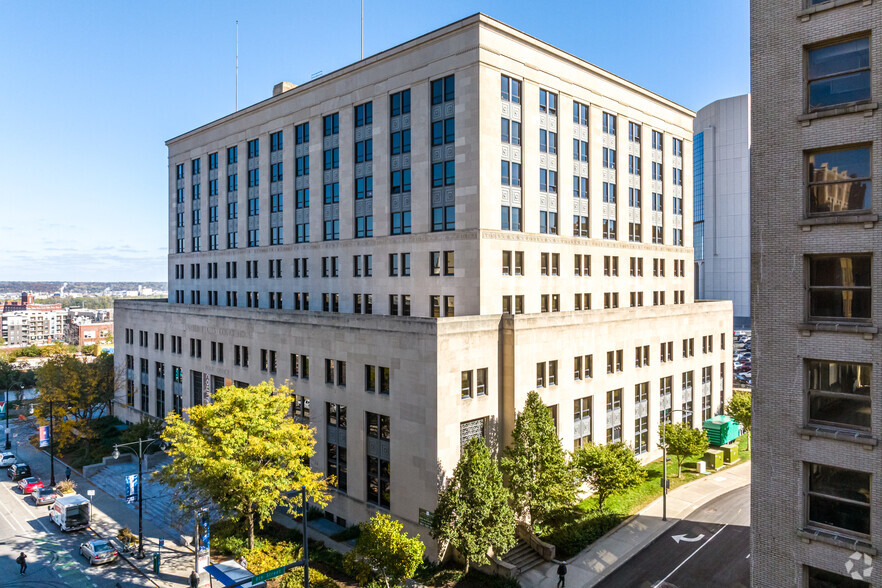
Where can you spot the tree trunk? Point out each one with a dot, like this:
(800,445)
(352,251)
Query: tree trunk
(467,565)
(748,439)
(250,530)
(679,465)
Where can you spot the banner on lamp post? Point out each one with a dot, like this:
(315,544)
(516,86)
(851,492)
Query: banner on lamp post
(44,436)
(132,488)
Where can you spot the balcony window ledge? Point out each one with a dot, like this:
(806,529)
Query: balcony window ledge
(807,13)
(866,107)
(860,438)
(808,534)
(865,218)
(832,327)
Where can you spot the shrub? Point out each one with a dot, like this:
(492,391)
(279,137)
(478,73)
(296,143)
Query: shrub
(270,556)
(294,579)
(66,487)
(576,533)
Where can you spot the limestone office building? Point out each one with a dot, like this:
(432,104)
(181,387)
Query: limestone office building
(415,242)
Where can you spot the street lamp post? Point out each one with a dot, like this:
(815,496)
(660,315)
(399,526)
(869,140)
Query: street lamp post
(143,445)
(686,413)
(6,409)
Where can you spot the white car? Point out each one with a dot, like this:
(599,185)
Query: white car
(7,458)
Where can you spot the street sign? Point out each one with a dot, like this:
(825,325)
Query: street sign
(90,493)
(2,407)
(267,575)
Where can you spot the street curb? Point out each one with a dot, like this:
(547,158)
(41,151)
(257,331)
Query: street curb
(653,536)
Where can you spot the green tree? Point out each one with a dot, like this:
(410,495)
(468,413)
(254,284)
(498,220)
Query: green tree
(385,549)
(77,393)
(473,511)
(535,464)
(244,453)
(683,441)
(608,469)
(738,408)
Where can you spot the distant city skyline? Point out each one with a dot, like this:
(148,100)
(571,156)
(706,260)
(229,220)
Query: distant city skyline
(93,91)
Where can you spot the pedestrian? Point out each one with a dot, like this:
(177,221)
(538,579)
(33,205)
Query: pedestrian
(67,472)
(194,579)
(562,574)
(242,562)
(22,561)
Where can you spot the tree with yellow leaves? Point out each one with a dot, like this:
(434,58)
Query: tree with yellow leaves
(244,454)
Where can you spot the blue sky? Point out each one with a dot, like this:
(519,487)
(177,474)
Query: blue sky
(91,90)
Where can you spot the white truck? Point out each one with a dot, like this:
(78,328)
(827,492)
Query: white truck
(71,513)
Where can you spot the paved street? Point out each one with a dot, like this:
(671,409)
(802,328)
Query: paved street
(53,556)
(713,550)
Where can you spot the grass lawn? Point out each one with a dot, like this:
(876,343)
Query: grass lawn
(580,526)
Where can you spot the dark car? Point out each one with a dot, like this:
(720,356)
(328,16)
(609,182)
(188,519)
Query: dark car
(17,471)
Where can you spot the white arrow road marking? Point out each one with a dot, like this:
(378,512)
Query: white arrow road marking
(679,538)
(665,579)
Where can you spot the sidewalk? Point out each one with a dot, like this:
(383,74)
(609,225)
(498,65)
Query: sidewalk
(110,513)
(614,549)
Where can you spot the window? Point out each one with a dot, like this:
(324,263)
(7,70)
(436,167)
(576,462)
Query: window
(614,416)
(301,133)
(581,422)
(664,389)
(688,347)
(641,355)
(818,578)
(442,90)
(547,102)
(609,123)
(687,397)
(609,158)
(580,113)
(633,132)
(540,374)
(364,114)
(253,148)
(467,388)
(657,140)
(641,420)
(839,180)
(336,427)
(511,89)
(840,287)
(838,499)
(839,394)
(552,373)
(634,166)
(399,103)
(378,471)
(331,124)
(839,74)
(276,142)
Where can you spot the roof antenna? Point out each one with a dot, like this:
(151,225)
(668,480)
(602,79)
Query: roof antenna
(237,65)
(362,29)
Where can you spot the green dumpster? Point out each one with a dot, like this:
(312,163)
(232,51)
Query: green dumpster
(721,430)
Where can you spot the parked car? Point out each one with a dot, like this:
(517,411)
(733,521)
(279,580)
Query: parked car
(28,485)
(745,367)
(744,378)
(44,496)
(17,471)
(7,458)
(99,551)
